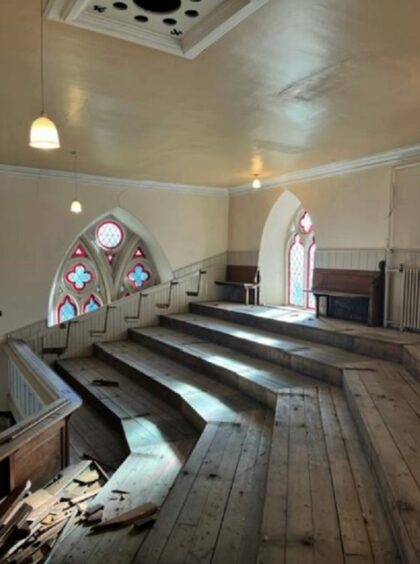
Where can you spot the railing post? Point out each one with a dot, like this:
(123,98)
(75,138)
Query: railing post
(172,283)
(137,317)
(97,332)
(197,292)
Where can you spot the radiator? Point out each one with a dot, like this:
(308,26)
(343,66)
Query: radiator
(411,298)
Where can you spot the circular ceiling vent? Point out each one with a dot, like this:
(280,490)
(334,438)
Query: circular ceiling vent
(158,6)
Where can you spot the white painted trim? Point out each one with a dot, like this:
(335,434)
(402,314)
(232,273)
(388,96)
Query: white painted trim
(12,170)
(399,156)
(205,33)
(392,157)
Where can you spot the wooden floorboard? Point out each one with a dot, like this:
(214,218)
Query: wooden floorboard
(384,404)
(292,485)
(321,503)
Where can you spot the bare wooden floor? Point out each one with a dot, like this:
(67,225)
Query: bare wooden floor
(92,434)
(288,469)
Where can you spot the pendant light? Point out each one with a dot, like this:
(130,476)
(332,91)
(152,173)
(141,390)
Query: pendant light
(256,183)
(44,134)
(76,206)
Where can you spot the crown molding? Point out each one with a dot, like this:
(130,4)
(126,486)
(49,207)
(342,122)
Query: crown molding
(109,181)
(392,157)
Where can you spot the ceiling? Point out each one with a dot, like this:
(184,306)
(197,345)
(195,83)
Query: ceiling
(298,84)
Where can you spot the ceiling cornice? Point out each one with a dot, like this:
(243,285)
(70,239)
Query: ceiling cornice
(392,157)
(400,156)
(109,181)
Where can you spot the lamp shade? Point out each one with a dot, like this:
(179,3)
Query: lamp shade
(256,183)
(44,134)
(76,206)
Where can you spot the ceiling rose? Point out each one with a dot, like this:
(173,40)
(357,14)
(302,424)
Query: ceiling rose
(158,6)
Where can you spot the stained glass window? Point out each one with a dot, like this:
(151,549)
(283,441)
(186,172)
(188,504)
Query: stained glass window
(107,262)
(301,261)
(109,235)
(91,304)
(66,310)
(79,277)
(297,268)
(137,276)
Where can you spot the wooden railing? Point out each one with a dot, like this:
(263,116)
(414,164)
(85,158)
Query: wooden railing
(76,337)
(36,447)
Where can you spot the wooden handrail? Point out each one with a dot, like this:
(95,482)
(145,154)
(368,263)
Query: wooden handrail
(44,430)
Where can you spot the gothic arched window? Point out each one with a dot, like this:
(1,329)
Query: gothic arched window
(301,261)
(107,262)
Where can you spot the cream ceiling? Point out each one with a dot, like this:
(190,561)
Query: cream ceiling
(298,84)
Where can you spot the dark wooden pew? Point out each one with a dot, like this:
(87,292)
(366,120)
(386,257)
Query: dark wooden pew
(240,282)
(351,285)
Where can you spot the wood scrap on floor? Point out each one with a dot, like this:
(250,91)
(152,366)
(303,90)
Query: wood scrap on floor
(141,515)
(103,382)
(32,522)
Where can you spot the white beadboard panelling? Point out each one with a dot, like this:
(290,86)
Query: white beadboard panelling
(23,397)
(349,259)
(39,336)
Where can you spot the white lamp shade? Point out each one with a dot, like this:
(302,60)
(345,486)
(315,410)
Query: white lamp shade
(44,134)
(256,183)
(76,206)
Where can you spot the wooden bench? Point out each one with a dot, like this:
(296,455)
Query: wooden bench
(242,278)
(351,284)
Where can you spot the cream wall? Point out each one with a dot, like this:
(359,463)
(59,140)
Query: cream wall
(348,211)
(36,229)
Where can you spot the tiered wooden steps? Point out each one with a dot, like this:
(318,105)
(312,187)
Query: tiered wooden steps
(304,490)
(385,404)
(309,358)
(92,435)
(376,342)
(159,441)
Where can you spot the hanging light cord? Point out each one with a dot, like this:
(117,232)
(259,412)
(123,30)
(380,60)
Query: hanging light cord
(42,60)
(74,153)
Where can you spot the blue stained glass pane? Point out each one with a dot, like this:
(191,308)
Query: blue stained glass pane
(80,277)
(296,274)
(138,276)
(67,311)
(91,305)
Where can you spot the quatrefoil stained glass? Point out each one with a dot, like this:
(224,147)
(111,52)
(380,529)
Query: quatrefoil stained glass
(79,277)
(137,276)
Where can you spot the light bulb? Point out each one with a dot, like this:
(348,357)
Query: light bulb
(76,206)
(44,134)
(256,183)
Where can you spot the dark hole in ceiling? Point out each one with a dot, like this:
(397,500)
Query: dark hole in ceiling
(158,6)
(191,13)
(142,19)
(169,21)
(120,5)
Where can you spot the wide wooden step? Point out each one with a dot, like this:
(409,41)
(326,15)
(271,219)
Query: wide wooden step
(213,512)
(125,402)
(385,403)
(317,360)
(321,503)
(199,398)
(256,378)
(385,344)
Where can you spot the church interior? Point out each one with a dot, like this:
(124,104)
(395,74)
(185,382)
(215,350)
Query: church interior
(210,282)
